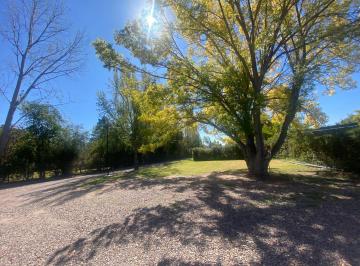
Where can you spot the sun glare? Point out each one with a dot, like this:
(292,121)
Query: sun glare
(150,20)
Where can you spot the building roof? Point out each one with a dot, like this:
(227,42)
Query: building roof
(334,129)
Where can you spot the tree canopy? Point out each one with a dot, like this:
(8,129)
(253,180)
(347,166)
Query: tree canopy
(139,111)
(42,142)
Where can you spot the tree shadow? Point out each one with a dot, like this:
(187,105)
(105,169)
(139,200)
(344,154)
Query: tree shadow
(33,181)
(270,218)
(56,194)
(179,262)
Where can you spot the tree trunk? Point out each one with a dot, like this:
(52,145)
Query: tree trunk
(136,161)
(257,156)
(258,166)
(4,139)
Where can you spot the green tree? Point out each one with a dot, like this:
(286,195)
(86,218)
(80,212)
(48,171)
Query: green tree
(44,143)
(20,158)
(66,147)
(190,138)
(354,118)
(43,122)
(106,147)
(144,122)
(225,60)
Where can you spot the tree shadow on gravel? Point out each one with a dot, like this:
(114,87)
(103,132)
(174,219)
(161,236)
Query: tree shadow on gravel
(43,181)
(179,262)
(60,193)
(281,222)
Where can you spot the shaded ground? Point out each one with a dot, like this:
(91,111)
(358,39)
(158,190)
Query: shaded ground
(216,219)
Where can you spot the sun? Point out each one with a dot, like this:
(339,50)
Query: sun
(150,20)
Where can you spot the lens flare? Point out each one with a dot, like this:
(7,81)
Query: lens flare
(150,20)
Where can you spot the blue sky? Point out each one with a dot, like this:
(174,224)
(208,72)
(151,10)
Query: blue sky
(76,97)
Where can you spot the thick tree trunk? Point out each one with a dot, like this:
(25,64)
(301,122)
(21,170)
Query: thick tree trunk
(256,155)
(258,166)
(136,161)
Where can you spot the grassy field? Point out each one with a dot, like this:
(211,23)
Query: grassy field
(193,168)
(188,167)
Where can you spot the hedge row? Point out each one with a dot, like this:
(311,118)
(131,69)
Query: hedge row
(228,152)
(340,150)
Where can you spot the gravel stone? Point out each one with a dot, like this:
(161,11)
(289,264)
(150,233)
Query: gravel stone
(207,220)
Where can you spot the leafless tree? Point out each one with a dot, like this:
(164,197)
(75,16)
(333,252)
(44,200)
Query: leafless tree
(42,47)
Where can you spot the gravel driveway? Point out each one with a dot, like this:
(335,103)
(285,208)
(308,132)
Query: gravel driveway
(210,220)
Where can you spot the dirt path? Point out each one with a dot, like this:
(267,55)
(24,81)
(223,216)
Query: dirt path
(214,220)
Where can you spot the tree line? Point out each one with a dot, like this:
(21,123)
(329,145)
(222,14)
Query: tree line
(45,145)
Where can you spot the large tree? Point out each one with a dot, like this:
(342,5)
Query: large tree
(41,49)
(246,68)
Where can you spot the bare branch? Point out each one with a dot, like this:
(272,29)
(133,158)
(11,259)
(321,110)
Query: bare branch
(38,36)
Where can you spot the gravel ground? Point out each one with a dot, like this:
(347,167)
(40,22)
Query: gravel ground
(209,220)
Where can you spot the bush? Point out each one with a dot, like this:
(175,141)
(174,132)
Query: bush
(338,149)
(228,152)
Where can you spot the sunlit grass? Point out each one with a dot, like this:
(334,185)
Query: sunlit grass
(193,168)
(288,167)
(197,168)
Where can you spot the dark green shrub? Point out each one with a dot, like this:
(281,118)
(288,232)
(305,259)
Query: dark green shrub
(228,152)
(339,150)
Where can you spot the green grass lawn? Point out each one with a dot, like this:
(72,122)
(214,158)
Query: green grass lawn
(195,168)
(190,168)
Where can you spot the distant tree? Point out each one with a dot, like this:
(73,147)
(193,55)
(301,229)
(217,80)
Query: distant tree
(107,147)
(139,112)
(41,48)
(95,151)
(20,158)
(246,68)
(42,142)
(191,137)
(43,122)
(66,147)
(353,118)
